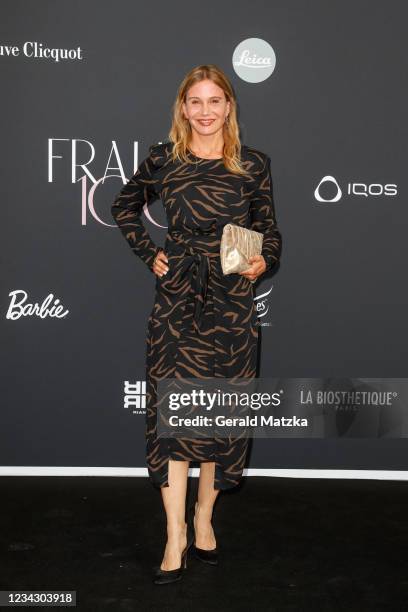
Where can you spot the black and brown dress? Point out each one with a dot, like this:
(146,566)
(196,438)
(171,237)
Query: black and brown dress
(203,324)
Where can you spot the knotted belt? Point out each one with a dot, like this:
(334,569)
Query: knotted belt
(200,284)
(195,266)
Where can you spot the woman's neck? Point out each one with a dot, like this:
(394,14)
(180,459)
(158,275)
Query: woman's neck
(205,148)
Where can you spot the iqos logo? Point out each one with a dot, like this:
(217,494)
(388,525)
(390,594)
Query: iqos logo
(328,179)
(357,189)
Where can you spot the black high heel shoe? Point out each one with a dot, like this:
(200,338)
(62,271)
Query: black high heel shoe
(206,556)
(166,576)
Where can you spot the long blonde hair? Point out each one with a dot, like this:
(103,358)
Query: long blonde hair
(180,131)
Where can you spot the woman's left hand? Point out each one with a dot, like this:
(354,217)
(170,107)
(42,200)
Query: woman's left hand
(258,267)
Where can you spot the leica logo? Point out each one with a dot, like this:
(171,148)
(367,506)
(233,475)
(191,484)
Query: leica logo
(253,61)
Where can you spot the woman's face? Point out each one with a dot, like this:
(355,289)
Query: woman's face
(206,107)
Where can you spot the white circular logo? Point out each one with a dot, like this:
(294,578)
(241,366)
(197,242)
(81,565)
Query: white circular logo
(254,60)
(328,179)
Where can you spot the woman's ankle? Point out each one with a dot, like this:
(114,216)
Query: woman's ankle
(176,529)
(203,512)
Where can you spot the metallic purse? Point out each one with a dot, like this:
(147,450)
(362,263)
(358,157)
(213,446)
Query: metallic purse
(238,244)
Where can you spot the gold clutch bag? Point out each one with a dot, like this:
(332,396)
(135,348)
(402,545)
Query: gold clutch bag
(238,244)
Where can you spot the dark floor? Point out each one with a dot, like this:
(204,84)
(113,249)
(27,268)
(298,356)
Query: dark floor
(285,544)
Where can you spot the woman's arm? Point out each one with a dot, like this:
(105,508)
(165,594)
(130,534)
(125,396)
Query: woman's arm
(263,217)
(127,210)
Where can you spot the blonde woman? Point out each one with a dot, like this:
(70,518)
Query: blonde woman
(203,324)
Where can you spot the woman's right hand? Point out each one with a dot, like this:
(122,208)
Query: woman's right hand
(159,265)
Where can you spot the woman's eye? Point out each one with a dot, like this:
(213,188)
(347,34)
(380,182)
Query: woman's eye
(213,101)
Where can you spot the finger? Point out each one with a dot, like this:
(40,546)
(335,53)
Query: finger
(257,267)
(162,257)
(161,264)
(161,274)
(161,268)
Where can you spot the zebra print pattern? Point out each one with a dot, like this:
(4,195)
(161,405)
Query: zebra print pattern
(203,324)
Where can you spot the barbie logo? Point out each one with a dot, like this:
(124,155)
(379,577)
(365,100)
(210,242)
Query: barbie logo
(20,307)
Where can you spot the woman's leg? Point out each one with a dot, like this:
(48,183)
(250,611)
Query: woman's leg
(207,495)
(174,501)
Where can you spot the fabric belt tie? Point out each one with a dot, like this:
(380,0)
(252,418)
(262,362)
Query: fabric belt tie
(200,284)
(195,265)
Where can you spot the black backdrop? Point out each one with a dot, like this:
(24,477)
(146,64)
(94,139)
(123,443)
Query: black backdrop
(334,106)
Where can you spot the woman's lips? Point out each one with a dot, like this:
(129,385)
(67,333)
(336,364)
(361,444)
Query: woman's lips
(205,121)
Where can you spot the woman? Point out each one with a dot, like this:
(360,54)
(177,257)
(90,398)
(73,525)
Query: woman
(203,324)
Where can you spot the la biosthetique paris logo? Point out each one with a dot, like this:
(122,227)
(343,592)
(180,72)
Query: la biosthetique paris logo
(329,190)
(254,60)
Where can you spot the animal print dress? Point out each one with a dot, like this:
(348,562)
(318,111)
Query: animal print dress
(203,324)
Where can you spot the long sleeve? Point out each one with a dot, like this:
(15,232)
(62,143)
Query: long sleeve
(127,209)
(263,215)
